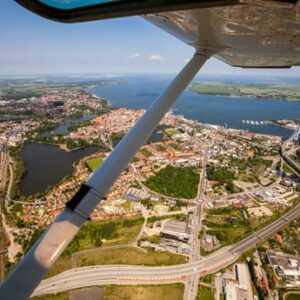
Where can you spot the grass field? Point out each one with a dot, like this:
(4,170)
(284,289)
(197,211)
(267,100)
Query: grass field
(131,256)
(205,293)
(227,224)
(170,131)
(153,219)
(94,163)
(117,231)
(293,297)
(140,292)
(97,233)
(162,292)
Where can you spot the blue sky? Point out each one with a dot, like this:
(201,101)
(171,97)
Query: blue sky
(33,45)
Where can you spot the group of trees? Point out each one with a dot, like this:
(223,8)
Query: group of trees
(147,203)
(92,233)
(18,170)
(262,294)
(178,182)
(223,175)
(47,126)
(71,144)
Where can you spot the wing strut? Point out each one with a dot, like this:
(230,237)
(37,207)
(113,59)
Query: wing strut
(27,275)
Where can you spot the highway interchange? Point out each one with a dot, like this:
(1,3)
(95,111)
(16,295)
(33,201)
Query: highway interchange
(126,274)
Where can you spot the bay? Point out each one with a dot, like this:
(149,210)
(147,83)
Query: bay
(140,91)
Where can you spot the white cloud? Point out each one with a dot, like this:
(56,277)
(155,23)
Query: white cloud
(187,60)
(155,57)
(134,55)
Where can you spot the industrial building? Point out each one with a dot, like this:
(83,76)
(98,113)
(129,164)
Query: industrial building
(177,230)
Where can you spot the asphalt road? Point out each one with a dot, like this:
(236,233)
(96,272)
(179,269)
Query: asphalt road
(124,274)
(191,285)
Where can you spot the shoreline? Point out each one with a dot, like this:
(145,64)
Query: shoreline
(110,105)
(238,97)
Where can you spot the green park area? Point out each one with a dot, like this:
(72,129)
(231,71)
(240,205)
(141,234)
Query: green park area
(269,91)
(179,182)
(94,163)
(139,292)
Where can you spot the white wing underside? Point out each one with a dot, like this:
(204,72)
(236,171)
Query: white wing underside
(253,34)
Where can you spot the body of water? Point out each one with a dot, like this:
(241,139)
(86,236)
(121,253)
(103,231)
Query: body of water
(4,118)
(140,91)
(47,165)
(66,124)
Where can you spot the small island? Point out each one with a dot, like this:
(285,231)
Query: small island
(265,90)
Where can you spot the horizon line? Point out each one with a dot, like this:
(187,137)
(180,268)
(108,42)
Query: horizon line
(22,75)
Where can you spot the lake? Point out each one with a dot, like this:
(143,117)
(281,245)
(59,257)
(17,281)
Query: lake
(63,127)
(140,91)
(47,165)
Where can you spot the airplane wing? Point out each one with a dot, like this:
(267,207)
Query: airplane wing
(251,33)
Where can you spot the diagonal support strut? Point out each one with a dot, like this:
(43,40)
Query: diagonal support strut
(22,281)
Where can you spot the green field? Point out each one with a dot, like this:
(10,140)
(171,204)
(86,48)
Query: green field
(153,219)
(146,292)
(130,256)
(139,292)
(94,234)
(227,224)
(205,293)
(271,91)
(120,231)
(179,182)
(94,163)
(293,297)
(170,131)
(14,89)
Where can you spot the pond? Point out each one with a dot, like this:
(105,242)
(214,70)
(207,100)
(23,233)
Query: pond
(47,165)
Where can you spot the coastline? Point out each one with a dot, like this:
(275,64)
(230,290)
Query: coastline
(240,97)
(251,96)
(277,123)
